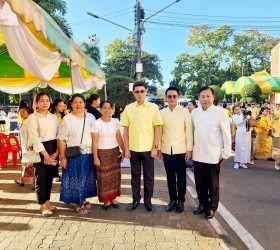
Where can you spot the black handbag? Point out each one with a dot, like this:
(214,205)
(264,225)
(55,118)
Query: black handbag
(75,151)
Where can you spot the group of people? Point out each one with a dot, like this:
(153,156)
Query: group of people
(244,134)
(173,134)
(176,135)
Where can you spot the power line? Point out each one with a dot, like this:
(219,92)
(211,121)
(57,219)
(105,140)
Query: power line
(237,17)
(109,14)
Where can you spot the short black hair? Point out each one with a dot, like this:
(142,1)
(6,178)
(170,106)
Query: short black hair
(172,88)
(193,103)
(139,84)
(224,105)
(103,102)
(93,97)
(77,95)
(206,88)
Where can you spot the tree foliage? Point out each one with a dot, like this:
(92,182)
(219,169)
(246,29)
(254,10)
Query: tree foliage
(219,94)
(92,51)
(118,91)
(202,67)
(251,51)
(222,56)
(251,93)
(121,60)
(57,10)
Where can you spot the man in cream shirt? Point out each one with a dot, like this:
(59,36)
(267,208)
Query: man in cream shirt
(212,147)
(176,143)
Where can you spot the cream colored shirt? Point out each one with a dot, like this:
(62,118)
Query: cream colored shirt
(141,120)
(42,128)
(212,138)
(177,131)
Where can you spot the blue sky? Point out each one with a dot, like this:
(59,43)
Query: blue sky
(162,39)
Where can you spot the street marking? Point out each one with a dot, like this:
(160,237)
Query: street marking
(192,192)
(214,223)
(240,231)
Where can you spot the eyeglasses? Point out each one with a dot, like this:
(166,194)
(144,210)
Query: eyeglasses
(139,91)
(171,96)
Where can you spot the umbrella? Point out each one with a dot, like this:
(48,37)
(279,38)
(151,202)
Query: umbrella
(42,52)
(268,84)
(227,87)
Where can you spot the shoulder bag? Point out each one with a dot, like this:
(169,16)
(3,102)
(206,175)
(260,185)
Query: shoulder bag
(75,151)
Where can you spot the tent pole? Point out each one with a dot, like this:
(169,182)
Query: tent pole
(72,85)
(105,92)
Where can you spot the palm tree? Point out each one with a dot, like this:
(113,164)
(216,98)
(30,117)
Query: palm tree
(92,51)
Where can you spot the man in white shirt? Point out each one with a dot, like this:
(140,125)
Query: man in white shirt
(13,119)
(212,147)
(176,143)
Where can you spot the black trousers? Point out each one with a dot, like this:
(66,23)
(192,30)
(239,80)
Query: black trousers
(175,167)
(44,174)
(207,184)
(137,160)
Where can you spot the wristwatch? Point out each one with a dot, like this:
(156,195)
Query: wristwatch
(156,146)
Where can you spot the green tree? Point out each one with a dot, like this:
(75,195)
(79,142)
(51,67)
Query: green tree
(251,50)
(251,93)
(203,68)
(179,85)
(121,61)
(118,91)
(57,10)
(219,94)
(92,51)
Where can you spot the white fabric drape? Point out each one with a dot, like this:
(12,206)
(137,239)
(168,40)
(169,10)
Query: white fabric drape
(28,53)
(17,89)
(32,56)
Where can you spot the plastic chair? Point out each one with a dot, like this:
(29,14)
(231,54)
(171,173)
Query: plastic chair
(13,146)
(3,150)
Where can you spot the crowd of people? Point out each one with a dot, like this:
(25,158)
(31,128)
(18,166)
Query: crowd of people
(85,140)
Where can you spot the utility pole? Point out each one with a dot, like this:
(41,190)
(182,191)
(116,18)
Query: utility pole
(139,30)
(139,16)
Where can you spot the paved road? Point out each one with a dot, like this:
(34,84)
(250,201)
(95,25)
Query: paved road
(22,226)
(253,196)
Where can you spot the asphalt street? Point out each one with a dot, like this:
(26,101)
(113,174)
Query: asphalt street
(252,197)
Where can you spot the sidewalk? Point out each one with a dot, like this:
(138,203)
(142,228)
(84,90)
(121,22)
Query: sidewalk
(23,227)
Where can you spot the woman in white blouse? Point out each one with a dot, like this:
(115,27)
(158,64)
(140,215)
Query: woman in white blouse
(242,139)
(43,129)
(106,141)
(27,172)
(78,174)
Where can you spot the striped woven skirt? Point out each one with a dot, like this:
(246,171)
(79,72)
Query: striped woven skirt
(108,174)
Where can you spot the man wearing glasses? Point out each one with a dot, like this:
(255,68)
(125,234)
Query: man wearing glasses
(141,121)
(176,145)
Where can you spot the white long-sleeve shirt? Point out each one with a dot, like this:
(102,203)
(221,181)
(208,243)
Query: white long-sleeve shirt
(212,138)
(42,128)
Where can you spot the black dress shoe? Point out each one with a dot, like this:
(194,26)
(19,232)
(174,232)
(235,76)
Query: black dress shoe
(106,207)
(115,205)
(171,205)
(199,210)
(209,214)
(134,205)
(180,207)
(270,159)
(149,206)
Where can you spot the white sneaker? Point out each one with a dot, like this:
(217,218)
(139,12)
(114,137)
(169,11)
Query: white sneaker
(243,165)
(277,167)
(236,166)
